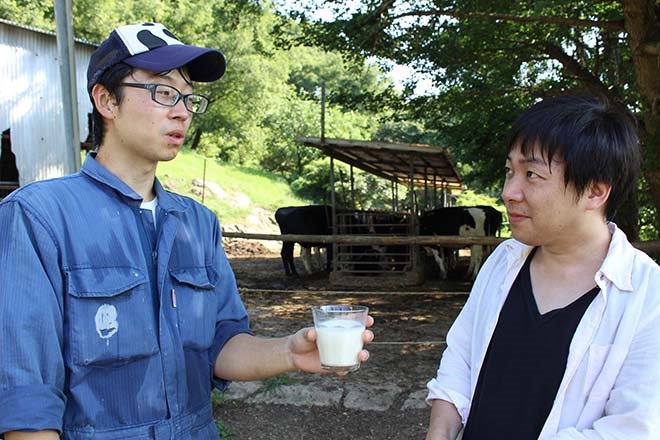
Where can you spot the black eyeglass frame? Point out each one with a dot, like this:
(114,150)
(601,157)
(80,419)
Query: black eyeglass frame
(179,96)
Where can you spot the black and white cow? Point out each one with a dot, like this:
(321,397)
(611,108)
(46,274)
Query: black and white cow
(304,220)
(466,221)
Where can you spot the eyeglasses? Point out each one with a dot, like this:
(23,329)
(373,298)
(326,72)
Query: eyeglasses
(169,96)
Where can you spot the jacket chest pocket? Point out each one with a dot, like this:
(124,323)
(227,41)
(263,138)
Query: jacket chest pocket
(111,316)
(197,305)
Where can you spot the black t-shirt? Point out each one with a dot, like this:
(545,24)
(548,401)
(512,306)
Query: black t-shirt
(524,365)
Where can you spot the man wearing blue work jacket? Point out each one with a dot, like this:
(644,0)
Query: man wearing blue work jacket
(119,310)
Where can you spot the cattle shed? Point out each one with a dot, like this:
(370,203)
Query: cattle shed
(31,109)
(417,166)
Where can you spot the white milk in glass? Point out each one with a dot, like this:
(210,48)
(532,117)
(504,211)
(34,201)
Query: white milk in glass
(339,342)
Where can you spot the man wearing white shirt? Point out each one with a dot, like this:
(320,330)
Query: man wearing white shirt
(559,338)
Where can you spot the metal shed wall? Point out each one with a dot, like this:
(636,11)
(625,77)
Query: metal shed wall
(31,104)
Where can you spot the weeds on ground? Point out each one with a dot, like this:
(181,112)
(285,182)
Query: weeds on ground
(225,431)
(217,397)
(274,383)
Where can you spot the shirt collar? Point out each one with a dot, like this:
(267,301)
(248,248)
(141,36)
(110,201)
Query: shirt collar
(617,267)
(618,264)
(102,175)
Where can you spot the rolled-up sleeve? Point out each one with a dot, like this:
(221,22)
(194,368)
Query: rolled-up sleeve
(232,317)
(31,359)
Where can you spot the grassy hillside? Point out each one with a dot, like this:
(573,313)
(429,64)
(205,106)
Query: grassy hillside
(234,193)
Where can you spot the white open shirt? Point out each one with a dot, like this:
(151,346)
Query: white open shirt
(611,386)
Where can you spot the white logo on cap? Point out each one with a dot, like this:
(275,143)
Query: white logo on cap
(140,38)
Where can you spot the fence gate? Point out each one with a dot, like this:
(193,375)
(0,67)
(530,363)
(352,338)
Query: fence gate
(375,265)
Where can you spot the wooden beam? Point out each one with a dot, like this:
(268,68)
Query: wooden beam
(650,246)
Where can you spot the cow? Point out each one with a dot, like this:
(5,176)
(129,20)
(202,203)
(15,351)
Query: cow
(304,220)
(474,221)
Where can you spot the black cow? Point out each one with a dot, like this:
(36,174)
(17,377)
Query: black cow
(305,220)
(467,221)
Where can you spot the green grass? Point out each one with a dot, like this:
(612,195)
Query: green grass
(263,189)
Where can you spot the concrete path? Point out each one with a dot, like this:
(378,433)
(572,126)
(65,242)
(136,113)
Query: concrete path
(353,396)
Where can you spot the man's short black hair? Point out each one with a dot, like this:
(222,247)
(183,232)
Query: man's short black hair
(110,79)
(597,143)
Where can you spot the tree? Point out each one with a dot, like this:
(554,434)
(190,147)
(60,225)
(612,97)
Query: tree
(269,94)
(490,60)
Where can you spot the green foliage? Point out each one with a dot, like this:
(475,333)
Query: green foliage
(471,198)
(369,192)
(489,61)
(37,13)
(647,214)
(271,93)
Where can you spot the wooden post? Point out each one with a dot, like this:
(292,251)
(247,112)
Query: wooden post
(204,181)
(352,188)
(411,190)
(323,114)
(333,211)
(426,190)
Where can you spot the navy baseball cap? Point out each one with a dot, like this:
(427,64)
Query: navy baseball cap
(151,46)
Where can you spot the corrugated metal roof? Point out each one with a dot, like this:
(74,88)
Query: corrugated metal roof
(427,165)
(45,32)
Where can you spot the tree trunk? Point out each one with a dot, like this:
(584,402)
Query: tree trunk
(627,218)
(196,139)
(641,23)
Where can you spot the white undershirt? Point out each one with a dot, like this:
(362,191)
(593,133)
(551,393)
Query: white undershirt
(151,206)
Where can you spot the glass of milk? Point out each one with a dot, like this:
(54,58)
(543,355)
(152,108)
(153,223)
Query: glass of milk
(339,331)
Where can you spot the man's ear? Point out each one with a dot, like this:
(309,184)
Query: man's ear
(597,195)
(105,103)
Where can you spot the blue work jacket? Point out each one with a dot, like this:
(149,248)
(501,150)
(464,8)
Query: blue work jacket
(109,326)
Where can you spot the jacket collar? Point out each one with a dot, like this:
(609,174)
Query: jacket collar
(94,170)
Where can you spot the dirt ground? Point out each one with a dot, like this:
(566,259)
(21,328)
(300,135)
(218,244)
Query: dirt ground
(411,325)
